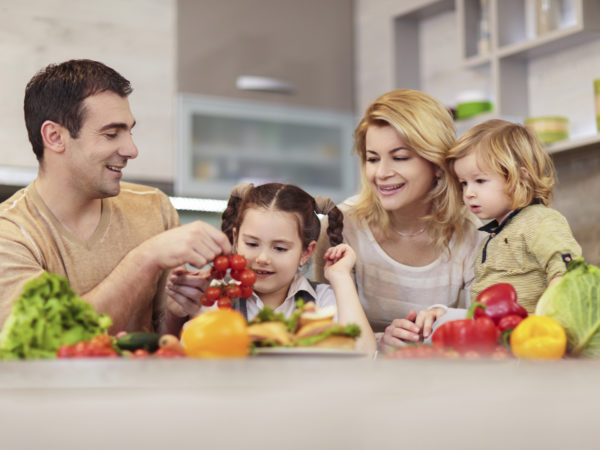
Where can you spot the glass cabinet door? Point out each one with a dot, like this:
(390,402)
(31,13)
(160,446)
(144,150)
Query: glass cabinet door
(225,142)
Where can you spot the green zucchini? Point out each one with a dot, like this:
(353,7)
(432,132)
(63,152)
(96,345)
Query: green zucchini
(139,339)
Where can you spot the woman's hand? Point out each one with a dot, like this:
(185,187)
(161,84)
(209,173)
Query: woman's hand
(185,289)
(414,328)
(339,261)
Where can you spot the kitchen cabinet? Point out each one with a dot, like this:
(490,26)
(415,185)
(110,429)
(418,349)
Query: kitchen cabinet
(501,65)
(223,142)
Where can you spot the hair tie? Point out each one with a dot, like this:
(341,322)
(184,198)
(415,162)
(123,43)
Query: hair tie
(240,190)
(324,204)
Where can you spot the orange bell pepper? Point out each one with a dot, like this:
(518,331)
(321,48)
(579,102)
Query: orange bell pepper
(538,337)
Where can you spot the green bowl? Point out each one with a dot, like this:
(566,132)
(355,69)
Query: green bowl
(470,109)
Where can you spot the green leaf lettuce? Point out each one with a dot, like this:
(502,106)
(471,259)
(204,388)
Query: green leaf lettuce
(47,315)
(574,301)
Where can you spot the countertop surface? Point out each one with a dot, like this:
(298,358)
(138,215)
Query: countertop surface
(270,402)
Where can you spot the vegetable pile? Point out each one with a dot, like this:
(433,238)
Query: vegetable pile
(574,302)
(47,315)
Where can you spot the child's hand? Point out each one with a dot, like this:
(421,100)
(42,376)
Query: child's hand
(184,289)
(339,260)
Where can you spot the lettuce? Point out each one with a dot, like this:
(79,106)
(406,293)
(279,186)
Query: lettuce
(47,315)
(574,301)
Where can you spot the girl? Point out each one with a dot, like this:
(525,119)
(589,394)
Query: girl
(275,226)
(414,240)
(507,176)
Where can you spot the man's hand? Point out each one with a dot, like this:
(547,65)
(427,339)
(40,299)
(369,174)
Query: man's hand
(196,243)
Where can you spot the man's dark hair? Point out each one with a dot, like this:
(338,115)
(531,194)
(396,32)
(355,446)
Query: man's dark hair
(57,93)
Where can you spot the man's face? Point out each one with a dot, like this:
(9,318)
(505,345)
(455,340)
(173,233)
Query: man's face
(98,155)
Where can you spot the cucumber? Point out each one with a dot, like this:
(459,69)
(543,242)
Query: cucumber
(139,339)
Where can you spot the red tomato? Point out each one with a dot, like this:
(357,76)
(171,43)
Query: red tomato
(65,351)
(140,353)
(237,262)
(236,274)
(221,263)
(217,274)
(213,293)
(101,340)
(248,277)
(205,301)
(224,302)
(165,352)
(80,349)
(233,291)
(246,291)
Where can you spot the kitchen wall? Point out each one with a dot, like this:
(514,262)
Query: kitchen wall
(559,84)
(136,37)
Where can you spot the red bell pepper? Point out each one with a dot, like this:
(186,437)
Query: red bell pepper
(500,300)
(467,335)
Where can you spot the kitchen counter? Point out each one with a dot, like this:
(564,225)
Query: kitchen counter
(299,402)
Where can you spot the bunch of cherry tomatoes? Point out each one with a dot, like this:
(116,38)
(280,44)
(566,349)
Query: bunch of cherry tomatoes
(239,285)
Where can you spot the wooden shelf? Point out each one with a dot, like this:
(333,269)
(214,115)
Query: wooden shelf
(587,142)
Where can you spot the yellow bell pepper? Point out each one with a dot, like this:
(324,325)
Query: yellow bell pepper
(538,337)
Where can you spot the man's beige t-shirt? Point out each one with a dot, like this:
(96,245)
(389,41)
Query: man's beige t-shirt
(32,241)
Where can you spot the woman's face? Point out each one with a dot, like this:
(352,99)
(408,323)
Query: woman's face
(400,178)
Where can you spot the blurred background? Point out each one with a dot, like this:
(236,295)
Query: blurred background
(270,90)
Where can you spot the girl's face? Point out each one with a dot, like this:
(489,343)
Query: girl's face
(401,178)
(484,191)
(270,242)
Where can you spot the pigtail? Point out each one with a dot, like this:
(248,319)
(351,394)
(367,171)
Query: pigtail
(230,215)
(326,206)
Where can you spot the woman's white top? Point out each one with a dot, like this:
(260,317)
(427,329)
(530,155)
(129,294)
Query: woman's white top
(388,290)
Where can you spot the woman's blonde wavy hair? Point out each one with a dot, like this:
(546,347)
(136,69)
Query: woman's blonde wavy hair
(427,128)
(515,153)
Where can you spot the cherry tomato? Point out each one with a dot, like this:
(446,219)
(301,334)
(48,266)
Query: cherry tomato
(224,302)
(236,274)
(233,291)
(80,349)
(246,291)
(221,263)
(217,274)
(237,262)
(65,351)
(140,353)
(101,340)
(248,277)
(213,293)
(165,352)
(205,301)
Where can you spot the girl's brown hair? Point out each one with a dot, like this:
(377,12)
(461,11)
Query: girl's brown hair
(287,198)
(427,128)
(514,152)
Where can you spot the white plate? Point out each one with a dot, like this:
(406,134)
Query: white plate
(308,351)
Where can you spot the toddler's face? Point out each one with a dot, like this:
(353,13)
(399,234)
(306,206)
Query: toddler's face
(483,190)
(270,242)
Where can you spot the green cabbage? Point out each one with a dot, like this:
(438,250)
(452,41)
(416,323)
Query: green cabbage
(47,315)
(574,301)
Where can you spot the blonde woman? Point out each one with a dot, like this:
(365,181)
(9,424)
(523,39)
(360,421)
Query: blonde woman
(507,177)
(414,240)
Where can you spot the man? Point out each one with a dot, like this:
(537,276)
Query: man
(114,241)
